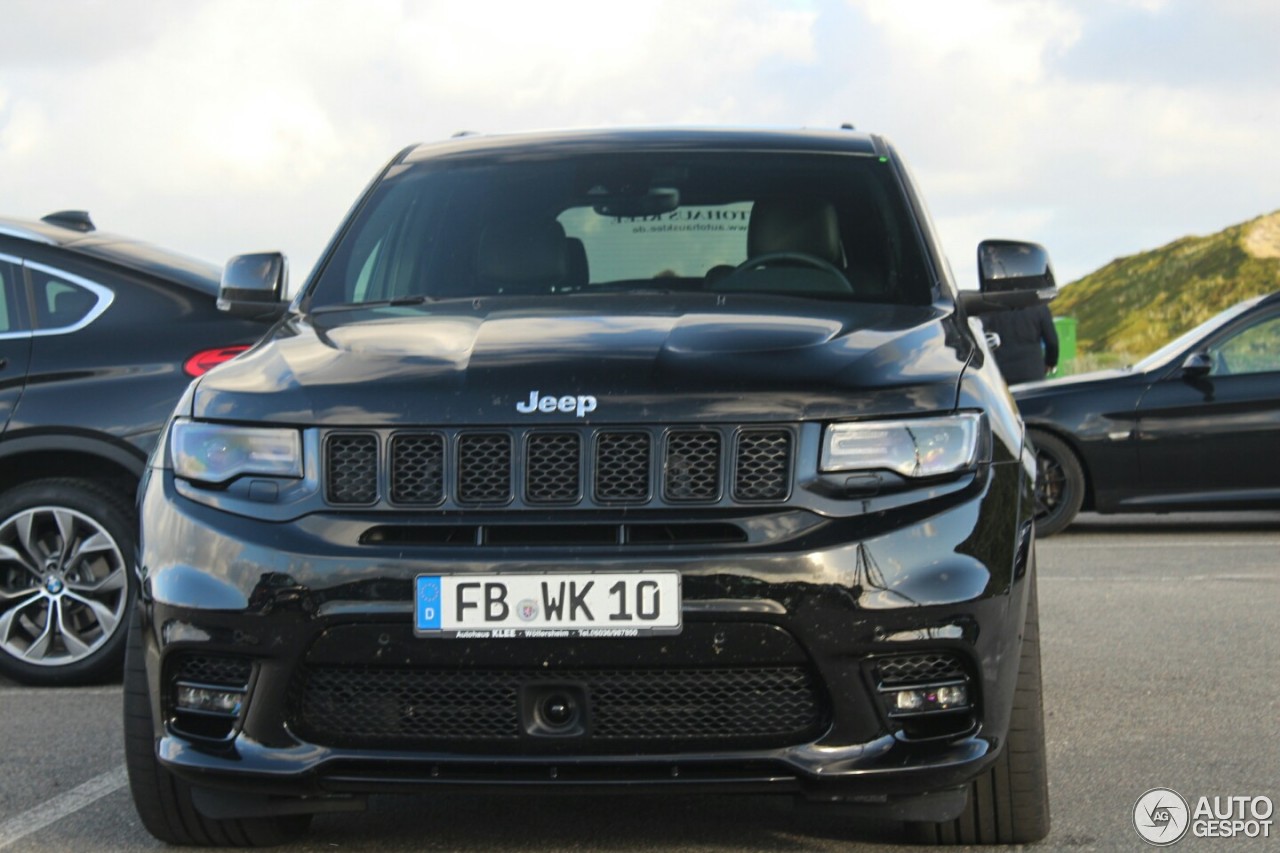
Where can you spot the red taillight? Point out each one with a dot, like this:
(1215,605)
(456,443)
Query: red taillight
(206,360)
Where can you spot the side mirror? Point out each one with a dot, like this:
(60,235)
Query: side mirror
(254,285)
(1011,274)
(1197,364)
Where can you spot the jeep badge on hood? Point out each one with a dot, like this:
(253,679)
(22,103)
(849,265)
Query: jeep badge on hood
(582,404)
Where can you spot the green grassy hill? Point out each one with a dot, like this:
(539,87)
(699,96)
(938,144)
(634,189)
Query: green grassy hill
(1136,304)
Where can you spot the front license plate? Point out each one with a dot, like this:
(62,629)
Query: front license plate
(569,604)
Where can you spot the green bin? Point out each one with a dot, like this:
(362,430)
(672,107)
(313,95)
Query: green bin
(1066,328)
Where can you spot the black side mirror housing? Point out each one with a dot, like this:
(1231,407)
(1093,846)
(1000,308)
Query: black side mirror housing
(1197,364)
(254,285)
(1011,274)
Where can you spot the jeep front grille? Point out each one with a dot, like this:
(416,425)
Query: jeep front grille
(417,469)
(764,465)
(692,466)
(560,466)
(622,467)
(484,468)
(351,468)
(553,462)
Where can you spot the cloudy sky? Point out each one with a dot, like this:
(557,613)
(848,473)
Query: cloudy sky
(1097,127)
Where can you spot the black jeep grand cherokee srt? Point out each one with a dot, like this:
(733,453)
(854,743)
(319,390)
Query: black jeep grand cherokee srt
(601,461)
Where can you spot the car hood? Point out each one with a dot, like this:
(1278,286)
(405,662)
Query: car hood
(642,359)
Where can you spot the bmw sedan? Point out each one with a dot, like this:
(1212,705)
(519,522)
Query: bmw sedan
(1193,426)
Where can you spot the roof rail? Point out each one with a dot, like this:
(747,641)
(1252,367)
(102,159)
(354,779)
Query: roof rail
(15,229)
(76,220)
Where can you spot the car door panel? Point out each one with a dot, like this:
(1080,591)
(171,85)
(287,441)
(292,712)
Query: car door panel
(1213,438)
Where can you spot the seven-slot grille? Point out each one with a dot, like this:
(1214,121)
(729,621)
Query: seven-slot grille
(560,466)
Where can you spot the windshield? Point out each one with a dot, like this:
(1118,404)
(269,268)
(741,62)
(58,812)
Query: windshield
(1172,349)
(809,226)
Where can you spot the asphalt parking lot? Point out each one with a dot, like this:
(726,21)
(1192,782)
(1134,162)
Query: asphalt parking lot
(1160,643)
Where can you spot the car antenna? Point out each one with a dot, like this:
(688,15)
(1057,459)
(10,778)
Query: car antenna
(847,126)
(76,220)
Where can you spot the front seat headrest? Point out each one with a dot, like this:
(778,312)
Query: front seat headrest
(794,225)
(577,273)
(523,251)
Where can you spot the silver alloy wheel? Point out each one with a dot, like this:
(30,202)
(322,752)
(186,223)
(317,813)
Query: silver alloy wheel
(63,586)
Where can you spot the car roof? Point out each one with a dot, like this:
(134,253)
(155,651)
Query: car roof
(123,251)
(611,140)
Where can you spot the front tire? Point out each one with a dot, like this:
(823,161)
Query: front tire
(165,803)
(66,581)
(1059,483)
(1009,802)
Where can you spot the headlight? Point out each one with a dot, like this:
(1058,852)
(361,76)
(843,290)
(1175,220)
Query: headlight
(923,447)
(216,453)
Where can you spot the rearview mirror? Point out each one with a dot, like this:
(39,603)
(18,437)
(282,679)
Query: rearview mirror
(652,202)
(254,285)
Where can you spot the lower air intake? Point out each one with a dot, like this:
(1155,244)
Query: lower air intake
(644,710)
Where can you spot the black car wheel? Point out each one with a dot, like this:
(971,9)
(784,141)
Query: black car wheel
(165,803)
(1009,803)
(66,581)
(1059,483)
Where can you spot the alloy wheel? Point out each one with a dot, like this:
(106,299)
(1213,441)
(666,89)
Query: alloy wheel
(63,586)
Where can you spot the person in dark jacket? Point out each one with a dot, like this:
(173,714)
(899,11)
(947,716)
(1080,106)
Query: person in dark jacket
(1028,342)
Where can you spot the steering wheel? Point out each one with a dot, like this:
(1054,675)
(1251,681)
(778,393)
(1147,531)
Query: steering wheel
(795,257)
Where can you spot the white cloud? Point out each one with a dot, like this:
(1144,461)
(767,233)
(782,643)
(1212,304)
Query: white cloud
(1000,42)
(22,130)
(250,124)
(215,127)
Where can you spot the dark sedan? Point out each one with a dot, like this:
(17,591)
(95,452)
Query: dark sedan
(1193,426)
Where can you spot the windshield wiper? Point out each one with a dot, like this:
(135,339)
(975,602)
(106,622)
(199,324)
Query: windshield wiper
(416,299)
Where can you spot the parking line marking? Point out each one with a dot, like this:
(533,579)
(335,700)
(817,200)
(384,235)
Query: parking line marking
(54,810)
(1147,545)
(1160,578)
(61,691)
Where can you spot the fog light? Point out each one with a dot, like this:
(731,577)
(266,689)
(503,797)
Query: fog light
(926,699)
(908,700)
(952,697)
(209,700)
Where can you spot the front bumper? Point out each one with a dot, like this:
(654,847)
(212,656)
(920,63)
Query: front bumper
(946,577)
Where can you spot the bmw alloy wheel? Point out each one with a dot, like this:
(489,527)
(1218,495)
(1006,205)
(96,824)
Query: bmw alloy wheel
(63,586)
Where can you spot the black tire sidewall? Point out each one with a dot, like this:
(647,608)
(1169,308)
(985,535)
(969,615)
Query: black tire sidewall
(1073,487)
(113,514)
